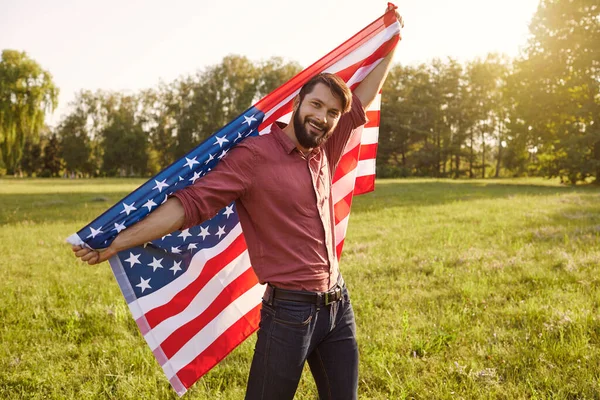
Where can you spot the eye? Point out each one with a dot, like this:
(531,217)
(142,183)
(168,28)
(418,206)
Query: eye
(316,104)
(334,114)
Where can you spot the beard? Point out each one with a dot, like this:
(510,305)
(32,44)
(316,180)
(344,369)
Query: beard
(306,139)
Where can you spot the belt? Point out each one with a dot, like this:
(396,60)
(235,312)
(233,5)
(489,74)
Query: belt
(318,298)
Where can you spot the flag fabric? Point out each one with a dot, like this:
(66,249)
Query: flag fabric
(193,293)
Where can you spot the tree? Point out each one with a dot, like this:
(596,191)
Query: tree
(51,161)
(560,88)
(26,94)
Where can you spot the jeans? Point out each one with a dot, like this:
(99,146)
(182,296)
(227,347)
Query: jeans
(291,333)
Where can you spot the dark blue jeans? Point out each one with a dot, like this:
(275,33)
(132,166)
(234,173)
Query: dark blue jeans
(292,333)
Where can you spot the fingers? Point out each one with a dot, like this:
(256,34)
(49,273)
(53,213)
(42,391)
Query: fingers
(86,255)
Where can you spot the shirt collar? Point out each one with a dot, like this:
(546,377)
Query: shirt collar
(282,138)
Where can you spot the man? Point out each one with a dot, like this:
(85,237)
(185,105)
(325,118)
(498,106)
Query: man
(281,184)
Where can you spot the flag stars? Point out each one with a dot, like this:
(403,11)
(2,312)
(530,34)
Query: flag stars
(163,238)
(95,232)
(223,154)
(210,158)
(220,141)
(150,203)
(128,208)
(228,211)
(192,246)
(176,250)
(176,267)
(248,120)
(204,232)
(160,185)
(155,264)
(220,232)
(144,284)
(195,177)
(185,234)
(190,162)
(239,136)
(133,259)
(119,227)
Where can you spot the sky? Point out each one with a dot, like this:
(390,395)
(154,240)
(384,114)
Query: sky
(128,45)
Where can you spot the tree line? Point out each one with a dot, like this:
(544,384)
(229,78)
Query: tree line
(535,115)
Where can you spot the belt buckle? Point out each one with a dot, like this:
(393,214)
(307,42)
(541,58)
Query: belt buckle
(333,296)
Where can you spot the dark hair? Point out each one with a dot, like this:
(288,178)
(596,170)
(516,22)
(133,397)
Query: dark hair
(337,86)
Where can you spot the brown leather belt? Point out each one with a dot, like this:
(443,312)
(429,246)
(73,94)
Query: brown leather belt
(300,296)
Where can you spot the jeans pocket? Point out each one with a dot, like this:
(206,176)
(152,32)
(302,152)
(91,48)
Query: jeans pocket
(292,313)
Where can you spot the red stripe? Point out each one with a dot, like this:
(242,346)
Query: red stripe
(341,209)
(220,348)
(373,119)
(183,298)
(228,295)
(368,151)
(338,249)
(346,164)
(364,184)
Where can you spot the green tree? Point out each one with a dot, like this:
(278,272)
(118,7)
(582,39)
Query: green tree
(51,161)
(26,94)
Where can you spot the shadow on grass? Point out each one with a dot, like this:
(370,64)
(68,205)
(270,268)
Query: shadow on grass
(399,193)
(85,206)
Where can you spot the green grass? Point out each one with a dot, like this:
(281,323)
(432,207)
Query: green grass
(462,290)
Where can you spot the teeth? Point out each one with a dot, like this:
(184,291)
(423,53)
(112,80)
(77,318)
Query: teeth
(315,126)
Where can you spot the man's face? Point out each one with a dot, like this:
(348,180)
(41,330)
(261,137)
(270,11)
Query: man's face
(316,116)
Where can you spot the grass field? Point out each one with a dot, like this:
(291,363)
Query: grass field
(462,290)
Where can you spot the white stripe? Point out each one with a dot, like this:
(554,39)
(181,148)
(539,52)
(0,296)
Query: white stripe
(376,104)
(366,49)
(166,293)
(215,328)
(362,72)
(354,141)
(200,302)
(343,186)
(340,230)
(370,135)
(366,167)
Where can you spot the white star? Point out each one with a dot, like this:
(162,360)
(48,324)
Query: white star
(128,208)
(223,154)
(210,158)
(165,200)
(119,227)
(239,136)
(204,232)
(228,211)
(249,132)
(160,185)
(155,264)
(190,162)
(144,284)
(192,246)
(94,232)
(185,234)
(133,259)
(248,120)
(195,177)
(146,244)
(150,203)
(220,141)
(221,231)
(175,250)
(163,238)
(180,179)
(176,267)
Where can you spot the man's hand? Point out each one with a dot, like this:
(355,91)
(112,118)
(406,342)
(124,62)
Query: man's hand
(93,256)
(398,16)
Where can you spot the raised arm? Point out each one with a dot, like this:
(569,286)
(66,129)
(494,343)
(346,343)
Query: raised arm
(373,82)
(167,218)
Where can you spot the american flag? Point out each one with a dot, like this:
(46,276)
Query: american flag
(193,293)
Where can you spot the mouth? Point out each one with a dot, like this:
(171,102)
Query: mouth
(320,129)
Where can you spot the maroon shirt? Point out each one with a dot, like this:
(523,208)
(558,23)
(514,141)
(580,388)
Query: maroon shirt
(284,203)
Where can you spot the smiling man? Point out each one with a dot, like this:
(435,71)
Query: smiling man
(281,184)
